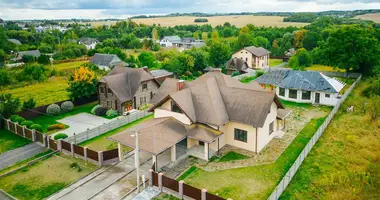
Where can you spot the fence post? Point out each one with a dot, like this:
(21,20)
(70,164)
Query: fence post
(72,149)
(143,180)
(23,131)
(59,145)
(44,140)
(85,153)
(204,191)
(16,123)
(8,126)
(150,177)
(160,181)
(180,189)
(48,142)
(34,138)
(100,158)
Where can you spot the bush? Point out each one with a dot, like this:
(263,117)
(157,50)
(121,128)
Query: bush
(13,118)
(76,167)
(94,109)
(67,106)
(27,123)
(56,126)
(200,20)
(43,59)
(60,136)
(373,89)
(112,113)
(101,111)
(29,104)
(37,127)
(53,109)
(259,73)
(17,118)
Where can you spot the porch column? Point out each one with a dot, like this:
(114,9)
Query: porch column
(206,151)
(173,153)
(154,161)
(121,153)
(256,62)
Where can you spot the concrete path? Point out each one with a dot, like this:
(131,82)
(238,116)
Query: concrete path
(11,157)
(102,181)
(80,123)
(148,193)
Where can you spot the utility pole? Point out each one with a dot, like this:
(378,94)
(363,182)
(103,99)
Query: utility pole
(137,161)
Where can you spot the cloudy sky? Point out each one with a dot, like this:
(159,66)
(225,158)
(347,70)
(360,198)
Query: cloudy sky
(96,9)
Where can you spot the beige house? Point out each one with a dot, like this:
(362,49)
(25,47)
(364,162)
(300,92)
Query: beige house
(203,115)
(256,57)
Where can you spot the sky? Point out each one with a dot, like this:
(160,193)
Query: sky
(122,9)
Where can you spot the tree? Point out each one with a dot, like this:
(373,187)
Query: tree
(293,63)
(155,35)
(179,64)
(2,56)
(351,47)
(205,36)
(201,59)
(298,38)
(220,53)
(9,105)
(147,59)
(304,58)
(244,40)
(29,104)
(311,40)
(82,84)
(28,59)
(228,32)
(43,59)
(215,35)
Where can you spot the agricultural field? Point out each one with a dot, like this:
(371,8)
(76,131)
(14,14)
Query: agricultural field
(345,162)
(374,17)
(237,20)
(69,66)
(275,62)
(50,91)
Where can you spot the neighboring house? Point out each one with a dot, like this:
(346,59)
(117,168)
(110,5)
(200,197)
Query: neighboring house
(303,86)
(212,69)
(202,116)
(160,75)
(34,53)
(169,41)
(289,53)
(14,41)
(256,57)
(237,64)
(107,61)
(2,22)
(125,89)
(90,43)
(177,42)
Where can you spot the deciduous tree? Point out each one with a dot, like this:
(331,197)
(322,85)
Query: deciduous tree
(82,84)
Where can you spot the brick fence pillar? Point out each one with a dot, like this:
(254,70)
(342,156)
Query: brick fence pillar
(180,189)
(150,177)
(204,191)
(100,158)
(44,138)
(16,123)
(34,138)
(72,150)
(160,181)
(85,153)
(59,145)
(23,131)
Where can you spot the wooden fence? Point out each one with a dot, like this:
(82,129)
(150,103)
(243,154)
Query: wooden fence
(295,166)
(179,188)
(99,158)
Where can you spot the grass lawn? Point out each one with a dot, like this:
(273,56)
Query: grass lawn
(345,162)
(9,141)
(50,91)
(232,156)
(68,66)
(275,62)
(255,182)
(248,79)
(101,143)
(45,120)
(45,177)
(323,68)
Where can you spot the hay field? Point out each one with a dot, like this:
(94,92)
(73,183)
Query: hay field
(237,20)
(373,16)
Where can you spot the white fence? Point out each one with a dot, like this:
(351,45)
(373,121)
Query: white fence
(248,74)
(292,171)
(113,124)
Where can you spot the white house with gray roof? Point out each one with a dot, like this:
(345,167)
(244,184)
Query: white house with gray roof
(90,43)
(107,61)
(169,41)
(256,57)
(303,86)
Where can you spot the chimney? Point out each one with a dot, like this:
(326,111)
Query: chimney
(180,84)
(145,68)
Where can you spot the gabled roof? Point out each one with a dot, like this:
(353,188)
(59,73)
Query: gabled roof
(257,51)
(14,41)
(301,80)
(124,82)
(34,53)
(87,40)
(237,63)
(215,99)
(104,59)
(173,38)
(160,73)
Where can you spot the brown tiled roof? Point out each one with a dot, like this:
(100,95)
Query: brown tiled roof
(124,82)
(257,51)
(215,99)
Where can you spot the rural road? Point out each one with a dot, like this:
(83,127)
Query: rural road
(11,157)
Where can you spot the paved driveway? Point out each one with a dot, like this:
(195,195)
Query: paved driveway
(11,157)
(80,123)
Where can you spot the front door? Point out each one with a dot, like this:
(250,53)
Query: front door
(128,106)
(317,97)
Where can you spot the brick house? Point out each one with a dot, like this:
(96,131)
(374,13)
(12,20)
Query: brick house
(125,89)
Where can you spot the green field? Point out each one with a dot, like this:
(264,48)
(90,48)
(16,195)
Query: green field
(50,91)
(45,177)
(9,141)
(68,66)
(345,162)
(255,182)
(316,67)
(101,143)
(275,62)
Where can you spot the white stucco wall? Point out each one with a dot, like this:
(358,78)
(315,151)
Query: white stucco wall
(245,55)
(165,43)
(165,111)
(253,61)
(329,101)
(263,133)
(229,129)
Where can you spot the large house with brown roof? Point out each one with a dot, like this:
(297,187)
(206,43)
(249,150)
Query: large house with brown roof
(255,57)
(125,89)
(206,114)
